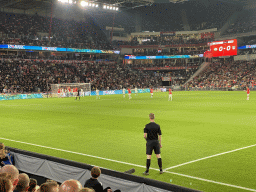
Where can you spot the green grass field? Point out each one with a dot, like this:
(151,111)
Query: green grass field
(195,126)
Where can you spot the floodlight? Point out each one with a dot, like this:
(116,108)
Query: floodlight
(83,3)
(93,5)
(107,7)
(96,5)
(104,7)
(110,8)
(63,1)
(90,4)
(70,2)
(117,8)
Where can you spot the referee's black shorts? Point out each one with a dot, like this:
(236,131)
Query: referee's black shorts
(152,145)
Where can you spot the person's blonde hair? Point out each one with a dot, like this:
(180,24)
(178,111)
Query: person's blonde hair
(3,151)
(47,186)
(151,116)
(86,190)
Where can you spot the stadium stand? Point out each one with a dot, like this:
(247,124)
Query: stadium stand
(26,76)
(226,75)
(164,41)
(22,29)
(245,23)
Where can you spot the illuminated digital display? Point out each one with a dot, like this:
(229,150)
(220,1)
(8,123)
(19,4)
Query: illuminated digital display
(37,48)
(223,48)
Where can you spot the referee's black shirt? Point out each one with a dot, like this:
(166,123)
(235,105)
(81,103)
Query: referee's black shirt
(153,130)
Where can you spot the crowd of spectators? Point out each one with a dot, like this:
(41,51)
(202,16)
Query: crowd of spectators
(163,41)
(11,180)
(173,51)
(33,30)
(244,23)
(179,71)
(24,76)
(228,74)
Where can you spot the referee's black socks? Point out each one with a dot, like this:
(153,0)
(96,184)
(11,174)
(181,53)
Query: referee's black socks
(148,164)
(160,163)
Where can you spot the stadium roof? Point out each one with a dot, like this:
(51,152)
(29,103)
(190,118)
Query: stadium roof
(46,4)
(25,4)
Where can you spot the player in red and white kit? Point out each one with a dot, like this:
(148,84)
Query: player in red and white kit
(151,92)
(170,94)
(129,93)
(248,93)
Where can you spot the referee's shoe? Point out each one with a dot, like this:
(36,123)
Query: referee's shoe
(147,173)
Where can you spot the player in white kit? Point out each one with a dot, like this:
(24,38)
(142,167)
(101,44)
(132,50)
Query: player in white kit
(136,91)
(97,94)
(124,92)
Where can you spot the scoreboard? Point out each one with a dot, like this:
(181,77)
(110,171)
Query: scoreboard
(223,48)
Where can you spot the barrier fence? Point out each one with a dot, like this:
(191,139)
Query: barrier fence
(115,92)
(61,170)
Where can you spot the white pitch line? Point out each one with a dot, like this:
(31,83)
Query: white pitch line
(77,153)
(175,166)
(211,181)
(188,176)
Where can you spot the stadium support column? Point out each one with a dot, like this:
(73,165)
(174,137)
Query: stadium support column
(50,28)
(113,27)
(184,20)
(138,22)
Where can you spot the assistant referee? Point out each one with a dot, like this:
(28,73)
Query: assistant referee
(152,134)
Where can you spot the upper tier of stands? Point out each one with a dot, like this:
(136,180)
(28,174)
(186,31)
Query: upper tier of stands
(245,23)
(200,16)
(33,30)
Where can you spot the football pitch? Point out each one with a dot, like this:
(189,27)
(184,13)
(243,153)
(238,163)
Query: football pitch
(208,138)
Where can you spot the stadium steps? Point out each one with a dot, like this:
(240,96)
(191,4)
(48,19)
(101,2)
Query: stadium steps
(201,68)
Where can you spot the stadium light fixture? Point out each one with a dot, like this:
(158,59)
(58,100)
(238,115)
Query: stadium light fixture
(93,5)
(90,4)
(96,5)
(107,7)
(63,1)
(70,2)
(117,8)
(82,3)
(110,7)
(104,6)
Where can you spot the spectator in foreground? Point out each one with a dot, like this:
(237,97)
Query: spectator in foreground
(13,172)
(70,186)
(49,186)
(5,182)
(5,158)
(23,184)
(32,184)
(94,183)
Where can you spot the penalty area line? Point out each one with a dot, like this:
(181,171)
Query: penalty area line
(208,157)
(121,162)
